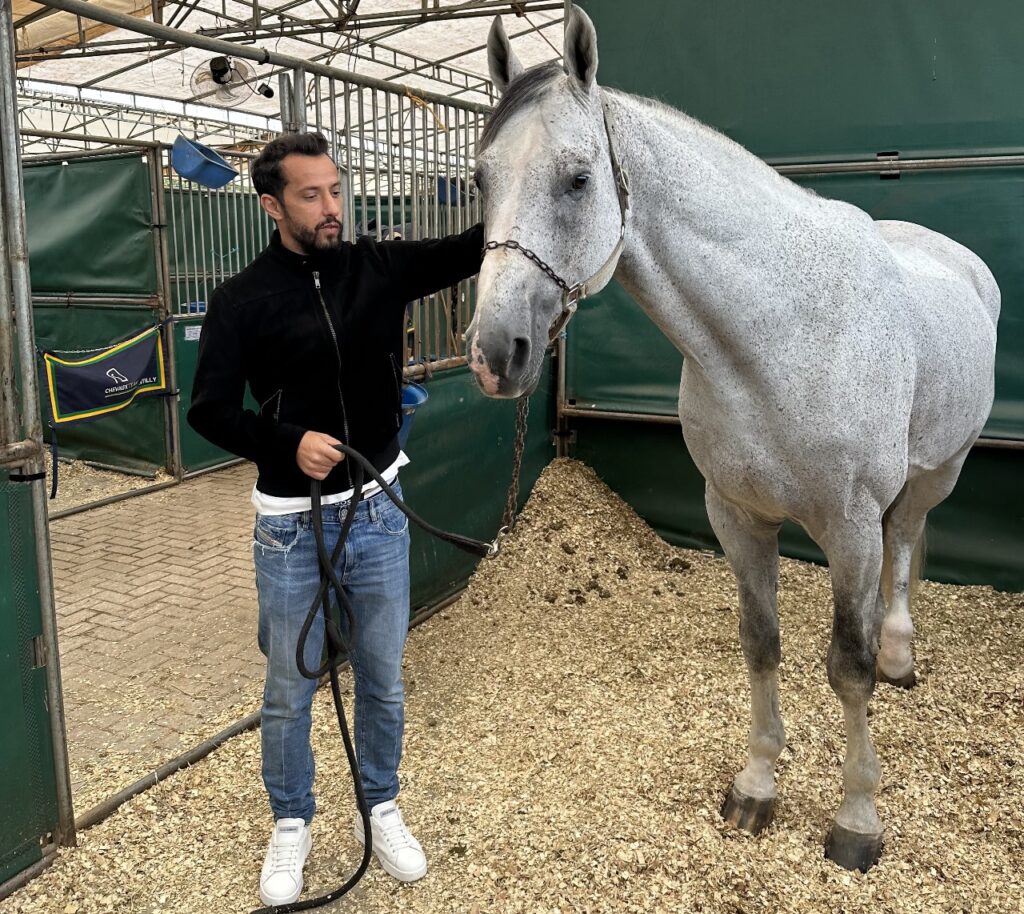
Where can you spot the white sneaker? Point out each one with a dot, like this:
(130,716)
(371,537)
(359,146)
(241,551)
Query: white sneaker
(397,850)
(281,877)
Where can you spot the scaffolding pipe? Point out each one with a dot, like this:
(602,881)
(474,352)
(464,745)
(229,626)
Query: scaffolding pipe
(96,13)
(12,213)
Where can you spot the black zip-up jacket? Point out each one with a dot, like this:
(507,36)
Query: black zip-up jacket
(319,339)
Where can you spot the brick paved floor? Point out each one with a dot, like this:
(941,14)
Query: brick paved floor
(156,611)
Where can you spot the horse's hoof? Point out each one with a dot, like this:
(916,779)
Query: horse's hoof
(902,682)
(749,813)
(852,850)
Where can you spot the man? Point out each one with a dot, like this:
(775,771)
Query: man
(315,325)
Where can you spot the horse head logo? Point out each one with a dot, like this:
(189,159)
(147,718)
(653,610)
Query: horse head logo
(116,376)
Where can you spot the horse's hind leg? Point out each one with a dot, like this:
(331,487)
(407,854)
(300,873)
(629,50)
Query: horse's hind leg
(904,538)
(753,551)
(854,550)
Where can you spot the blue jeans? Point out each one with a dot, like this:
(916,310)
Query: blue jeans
(374,569)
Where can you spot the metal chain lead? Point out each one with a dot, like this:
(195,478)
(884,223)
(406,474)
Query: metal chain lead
(508,520)
(526,252)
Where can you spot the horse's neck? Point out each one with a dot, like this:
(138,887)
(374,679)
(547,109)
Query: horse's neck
(708,228)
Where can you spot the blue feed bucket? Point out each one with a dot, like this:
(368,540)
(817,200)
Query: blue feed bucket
(413,396)
(201,164)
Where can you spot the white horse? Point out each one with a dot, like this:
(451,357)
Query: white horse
(836,369)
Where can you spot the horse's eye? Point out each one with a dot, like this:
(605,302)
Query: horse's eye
(580,181)
(476,181)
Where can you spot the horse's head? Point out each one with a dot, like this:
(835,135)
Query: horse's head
(545,171)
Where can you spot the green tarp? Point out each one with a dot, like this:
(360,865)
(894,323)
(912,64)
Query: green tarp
(90,227)
(28,798)
(824,80)
(818,82)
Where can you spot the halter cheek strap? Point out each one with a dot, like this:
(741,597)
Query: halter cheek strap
(571,295)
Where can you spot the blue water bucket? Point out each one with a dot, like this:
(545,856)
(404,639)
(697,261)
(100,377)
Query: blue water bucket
(413,397)
(201,164)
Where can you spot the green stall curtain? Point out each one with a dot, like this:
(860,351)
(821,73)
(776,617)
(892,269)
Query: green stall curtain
(90,227)
(28,792)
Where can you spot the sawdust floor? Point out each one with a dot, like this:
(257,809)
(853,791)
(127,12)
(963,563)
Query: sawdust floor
(572,725)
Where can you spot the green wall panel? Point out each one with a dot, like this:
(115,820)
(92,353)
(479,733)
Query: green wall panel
(976,536)
(135,437)
(803,81)
(90,226)
(461,450)
(28,800)
(800,79)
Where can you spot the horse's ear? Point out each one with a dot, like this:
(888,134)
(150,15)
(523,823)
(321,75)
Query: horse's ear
(580,52)
(501,59)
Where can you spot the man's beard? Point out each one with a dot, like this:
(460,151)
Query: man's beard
(313,240)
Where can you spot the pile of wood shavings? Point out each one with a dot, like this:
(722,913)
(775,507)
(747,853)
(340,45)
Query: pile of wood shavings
(572,725)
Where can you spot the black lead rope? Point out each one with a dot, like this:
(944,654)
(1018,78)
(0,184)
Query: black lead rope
(338,647)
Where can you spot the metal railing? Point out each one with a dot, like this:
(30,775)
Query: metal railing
(211,233)
(408,163)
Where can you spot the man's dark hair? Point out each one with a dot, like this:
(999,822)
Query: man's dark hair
(266,168)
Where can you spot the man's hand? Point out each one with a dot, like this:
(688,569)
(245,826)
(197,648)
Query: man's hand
(316,455)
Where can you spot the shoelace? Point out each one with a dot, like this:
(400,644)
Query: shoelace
(283,858)
(395,833)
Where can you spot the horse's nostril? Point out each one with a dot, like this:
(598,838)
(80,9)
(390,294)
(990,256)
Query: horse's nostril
(520,355)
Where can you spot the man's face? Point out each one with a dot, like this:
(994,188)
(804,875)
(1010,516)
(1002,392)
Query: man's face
(308,215)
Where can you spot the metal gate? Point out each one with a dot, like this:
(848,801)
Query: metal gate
(35,799)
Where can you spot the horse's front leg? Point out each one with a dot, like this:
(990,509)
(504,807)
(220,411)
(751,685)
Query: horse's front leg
(854,551)
(752,548)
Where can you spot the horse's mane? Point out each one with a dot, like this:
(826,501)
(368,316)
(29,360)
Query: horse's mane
(521,93)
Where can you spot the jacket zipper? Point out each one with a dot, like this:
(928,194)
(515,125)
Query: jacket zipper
(398,389)
(277,408)
(337,352)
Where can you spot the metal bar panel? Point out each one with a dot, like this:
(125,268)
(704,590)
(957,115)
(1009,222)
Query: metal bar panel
(317,103)
(192,265)
(362,161)
(376,167)
(332,98)
(389,145)
(350,180)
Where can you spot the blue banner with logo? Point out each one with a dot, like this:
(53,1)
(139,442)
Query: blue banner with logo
(107,381)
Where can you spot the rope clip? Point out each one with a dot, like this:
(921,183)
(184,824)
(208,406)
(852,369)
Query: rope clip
(495,547)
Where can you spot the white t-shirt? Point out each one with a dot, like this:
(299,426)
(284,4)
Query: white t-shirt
(277,505)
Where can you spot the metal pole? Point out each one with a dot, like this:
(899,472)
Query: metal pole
(299,100)
(16,253)
(161,230)
(284,91)
(9,425)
